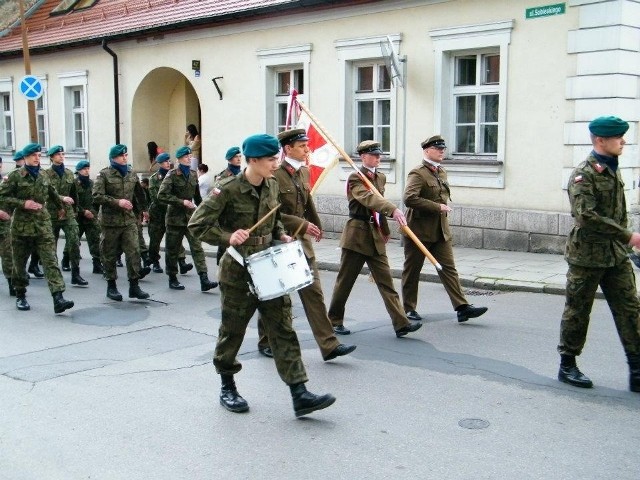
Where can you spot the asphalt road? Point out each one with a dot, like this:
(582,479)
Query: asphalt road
(127,391)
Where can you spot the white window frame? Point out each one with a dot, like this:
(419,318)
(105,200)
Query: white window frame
(352,53)
(375,96)
(43,113)
(275,60)
(70,81)
(6,87)
(474,171)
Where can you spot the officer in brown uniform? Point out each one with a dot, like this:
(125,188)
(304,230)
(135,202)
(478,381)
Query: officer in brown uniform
(596,252)
(181,192)
(119,193)
(224,218)
(364,241)
(298,213)
(426,196)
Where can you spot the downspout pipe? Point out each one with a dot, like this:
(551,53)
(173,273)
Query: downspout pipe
(116,88)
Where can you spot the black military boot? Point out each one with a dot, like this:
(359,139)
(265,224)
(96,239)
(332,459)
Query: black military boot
(34,269)
(76,279)
(64,264)
(112,291)
(144,271)
(634,371)
(184,266)
(60,304)
(146,261)
(21,299)
(305,402)
(569,373)
(174,284)
(12,291)
(157,268)
(229,396)
(205,283)
(97,266)
(136,292)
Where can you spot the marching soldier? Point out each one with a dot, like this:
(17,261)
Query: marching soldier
(234,165)
(179,190)
(224,218)
(5,244)
(363,241)
(88,214)
(119,194)
(157,217)
(29,194)
(298,212)
(62,179)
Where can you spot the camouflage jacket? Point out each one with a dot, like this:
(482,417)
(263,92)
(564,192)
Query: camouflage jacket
(66,187)
(599,237)
(108,188)
(174,190)
(157,209)
(85,201)
(20,186)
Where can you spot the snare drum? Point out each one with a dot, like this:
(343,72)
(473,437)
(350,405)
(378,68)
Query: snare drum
(279,270)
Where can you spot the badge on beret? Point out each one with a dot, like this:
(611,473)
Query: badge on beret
(578,179)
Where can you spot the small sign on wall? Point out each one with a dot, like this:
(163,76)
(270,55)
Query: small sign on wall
(545,11)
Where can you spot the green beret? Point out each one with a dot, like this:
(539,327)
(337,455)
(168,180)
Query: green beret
(117,150)
(608,127)
(369,146)
(261,145)
(18,156)
(289,136)
(232,152)
(55,149)
(163,157)
(31,149)
(82,164)
(182,151)
(435,141)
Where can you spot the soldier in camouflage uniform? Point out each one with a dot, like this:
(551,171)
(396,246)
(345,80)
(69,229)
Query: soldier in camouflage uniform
(179,190)
(5,245)
(119,194)
(224,218)
(88,213)
(64,182)
(234,162)
(157,217)
(28,193)
(596,252)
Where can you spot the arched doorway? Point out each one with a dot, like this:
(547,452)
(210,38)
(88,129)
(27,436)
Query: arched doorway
(165,102)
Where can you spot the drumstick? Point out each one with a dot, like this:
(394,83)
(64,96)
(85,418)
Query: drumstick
(261,221)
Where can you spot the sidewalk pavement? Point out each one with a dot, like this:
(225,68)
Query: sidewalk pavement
(481,269)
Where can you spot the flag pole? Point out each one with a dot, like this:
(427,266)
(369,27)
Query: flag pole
(370,186)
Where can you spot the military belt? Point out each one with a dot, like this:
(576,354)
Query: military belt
(252,241)
(364,218)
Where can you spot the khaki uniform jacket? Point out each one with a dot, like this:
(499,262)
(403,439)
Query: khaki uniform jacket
(297,206)
(599,237)
(108,188)
(361,234)
(174,189)
(20,186)
(66,187)
(427,188)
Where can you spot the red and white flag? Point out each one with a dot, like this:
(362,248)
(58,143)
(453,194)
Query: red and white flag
(323,153)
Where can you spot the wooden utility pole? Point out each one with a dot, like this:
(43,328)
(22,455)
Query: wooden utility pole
(31,104)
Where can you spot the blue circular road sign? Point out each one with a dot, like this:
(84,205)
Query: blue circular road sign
(31,87)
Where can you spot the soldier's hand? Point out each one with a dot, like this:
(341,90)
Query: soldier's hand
(88,214)
(445,208)
(68,200)
(189,204)
(286,238)
(145,216)
(635,240)
(238,237)
(126,204)
(314,231)
(4,216)
(31,205)
(399,217)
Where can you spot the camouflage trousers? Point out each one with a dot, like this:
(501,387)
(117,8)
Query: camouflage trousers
(91,230)
(45,246)
(238,306)
(156,231)
(117,240)
(173,247)
(6,254)
(618,285)
(142,244)
(72,239)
